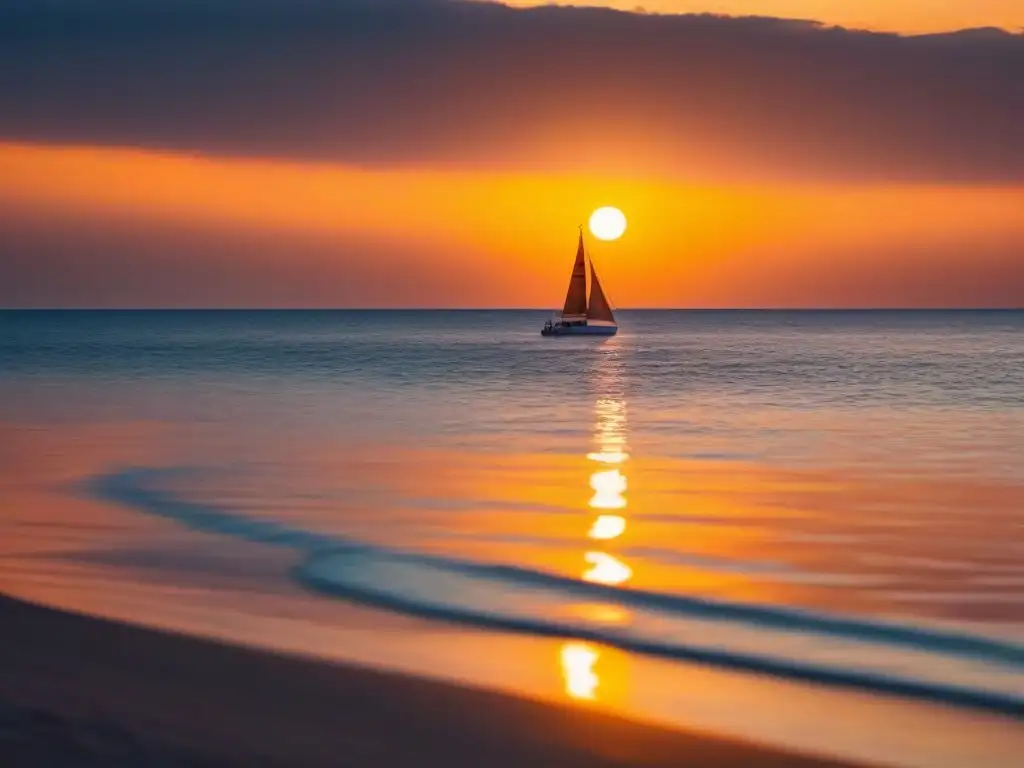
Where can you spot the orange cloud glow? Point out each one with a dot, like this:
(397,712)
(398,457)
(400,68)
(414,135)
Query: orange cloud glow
(764,244)
(914,17)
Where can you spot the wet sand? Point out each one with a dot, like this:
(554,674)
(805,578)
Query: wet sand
(81,691)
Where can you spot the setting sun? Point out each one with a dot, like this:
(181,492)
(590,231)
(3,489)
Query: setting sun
(608,223)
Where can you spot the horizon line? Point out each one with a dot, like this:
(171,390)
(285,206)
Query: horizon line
(506,309)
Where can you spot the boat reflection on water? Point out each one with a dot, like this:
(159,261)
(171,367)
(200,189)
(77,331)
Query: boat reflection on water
(608,482)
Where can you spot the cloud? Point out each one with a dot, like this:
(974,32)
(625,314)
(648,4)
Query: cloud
(580,89)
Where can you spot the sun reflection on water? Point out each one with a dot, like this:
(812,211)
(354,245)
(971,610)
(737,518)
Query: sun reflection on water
(578,660)
(606,569)
(608,457)
(602,567)
(607,527)
(609,485)
(599,614)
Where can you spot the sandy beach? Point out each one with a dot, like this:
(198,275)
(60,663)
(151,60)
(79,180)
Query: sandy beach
(79,691)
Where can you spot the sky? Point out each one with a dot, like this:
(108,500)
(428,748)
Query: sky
(906,16)
(433,153)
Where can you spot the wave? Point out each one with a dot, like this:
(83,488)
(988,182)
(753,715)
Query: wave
(931,663)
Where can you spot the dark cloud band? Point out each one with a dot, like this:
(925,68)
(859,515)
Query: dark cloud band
(428,81)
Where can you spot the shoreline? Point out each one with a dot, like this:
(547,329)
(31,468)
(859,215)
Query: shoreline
(77,690)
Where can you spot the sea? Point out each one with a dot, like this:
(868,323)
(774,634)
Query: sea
(796,527)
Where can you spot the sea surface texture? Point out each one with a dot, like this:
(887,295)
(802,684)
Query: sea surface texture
(832,497)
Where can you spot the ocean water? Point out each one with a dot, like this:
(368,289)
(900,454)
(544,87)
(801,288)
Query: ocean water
(826,498)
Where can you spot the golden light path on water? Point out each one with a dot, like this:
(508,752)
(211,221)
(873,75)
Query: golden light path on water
(608,481)
(607,527)
(578,661)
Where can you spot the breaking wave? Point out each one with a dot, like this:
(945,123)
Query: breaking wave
(949,666)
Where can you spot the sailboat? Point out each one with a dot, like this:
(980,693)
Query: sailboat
(581,317)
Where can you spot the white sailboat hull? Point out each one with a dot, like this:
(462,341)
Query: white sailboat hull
(579,330)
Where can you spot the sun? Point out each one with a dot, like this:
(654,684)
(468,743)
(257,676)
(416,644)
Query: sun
(608,223)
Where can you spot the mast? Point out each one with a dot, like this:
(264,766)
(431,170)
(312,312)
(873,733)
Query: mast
(576,297)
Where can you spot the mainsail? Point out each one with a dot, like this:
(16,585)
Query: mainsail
(576,298)
(598,309)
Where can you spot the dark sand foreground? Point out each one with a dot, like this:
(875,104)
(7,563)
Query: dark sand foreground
(77,691)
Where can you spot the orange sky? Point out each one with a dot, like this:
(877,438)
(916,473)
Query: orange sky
(911,16)
(428,237)
(287,153)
